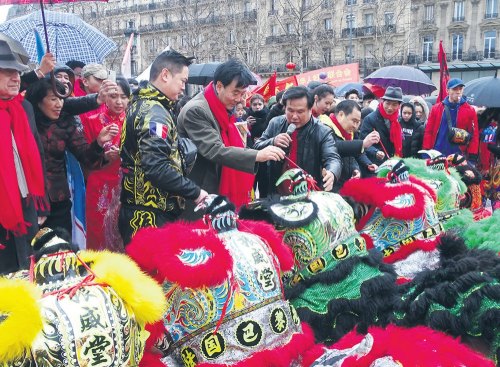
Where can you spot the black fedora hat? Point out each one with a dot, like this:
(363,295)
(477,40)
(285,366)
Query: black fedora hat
(393,94)
(8,59)
(16,47)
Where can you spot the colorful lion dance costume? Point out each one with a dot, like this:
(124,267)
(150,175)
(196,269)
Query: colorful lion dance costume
(76,310)
(336,283)
(222,283)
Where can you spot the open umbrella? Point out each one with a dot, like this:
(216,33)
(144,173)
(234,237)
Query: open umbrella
(341,90)
(483,91)
(69,37)
(202,74)
(16,47)
(410,80)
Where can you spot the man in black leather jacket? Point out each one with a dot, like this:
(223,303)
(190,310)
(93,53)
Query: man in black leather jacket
(310,146)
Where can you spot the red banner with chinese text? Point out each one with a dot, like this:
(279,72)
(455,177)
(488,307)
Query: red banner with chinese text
(335,75)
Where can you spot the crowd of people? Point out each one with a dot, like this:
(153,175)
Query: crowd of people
(161,153)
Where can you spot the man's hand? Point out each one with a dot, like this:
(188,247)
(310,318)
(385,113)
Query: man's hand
(356,174)
(41,220)
(372,167)
(107,134)
(380,155)
(328,180)
(112,153)
(201,197)
(270,153)
(370,139)
(282,140)
(48,63)
(107,88)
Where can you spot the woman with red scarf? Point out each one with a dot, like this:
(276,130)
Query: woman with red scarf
(103,183)
(384,120)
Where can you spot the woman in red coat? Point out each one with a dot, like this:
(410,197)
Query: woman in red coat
(102,183)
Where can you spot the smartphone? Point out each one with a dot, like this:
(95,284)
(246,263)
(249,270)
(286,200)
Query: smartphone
(112,75)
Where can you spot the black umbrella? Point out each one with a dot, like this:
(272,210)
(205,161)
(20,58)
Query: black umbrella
(483,91)
(409,79)
(202,74)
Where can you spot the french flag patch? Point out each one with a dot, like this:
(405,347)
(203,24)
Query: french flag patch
(160,130)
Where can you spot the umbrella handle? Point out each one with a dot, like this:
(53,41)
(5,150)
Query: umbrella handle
(54,87)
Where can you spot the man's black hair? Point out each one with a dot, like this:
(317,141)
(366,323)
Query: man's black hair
(234,69)
(298,93)
(75,64)
(323,91)
(351,91)
(368,96)
(171,60)
(347,106)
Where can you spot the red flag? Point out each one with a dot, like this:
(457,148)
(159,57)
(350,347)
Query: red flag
(444,75)
(266,90)
(286,83)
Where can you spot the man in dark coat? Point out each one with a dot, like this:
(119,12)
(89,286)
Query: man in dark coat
(311,145)
(345,123)
(384,120)
(22,174)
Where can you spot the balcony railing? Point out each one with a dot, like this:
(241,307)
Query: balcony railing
(490,15)
(429,21)
(369,1)
(458,19)
(368,31)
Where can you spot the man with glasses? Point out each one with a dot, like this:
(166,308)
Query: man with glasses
(223,166)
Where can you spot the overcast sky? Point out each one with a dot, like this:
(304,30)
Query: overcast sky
(4,9)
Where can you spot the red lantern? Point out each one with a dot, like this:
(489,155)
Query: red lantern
(290,65)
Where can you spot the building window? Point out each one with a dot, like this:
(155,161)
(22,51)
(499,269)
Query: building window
(351,21)
(389,18)
(429,13)
(289,28)
(459,11)
(349,53)
(248,6)
(327,56)
(288,56)
(491,9)
(328,24)
(428,43)
(458,45)
(305,58)
(306,27)
(274,30)
(368,51)
(327,4)
(306,4)
(350,2)
(273,5)
(369,20)
(490,39)
(232,38)
(184,41)
(273,58)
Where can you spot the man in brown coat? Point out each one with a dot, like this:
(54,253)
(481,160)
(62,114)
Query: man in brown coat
(224,165)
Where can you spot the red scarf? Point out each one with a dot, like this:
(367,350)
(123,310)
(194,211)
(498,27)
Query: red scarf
(396,133)
(234,184)
(13,119)
(344,133)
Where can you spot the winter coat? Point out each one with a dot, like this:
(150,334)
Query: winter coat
(375,121)
(316,148)
(466,119)
(413,134)
(16,250)
(348,150)
(153,176)
(57,137)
